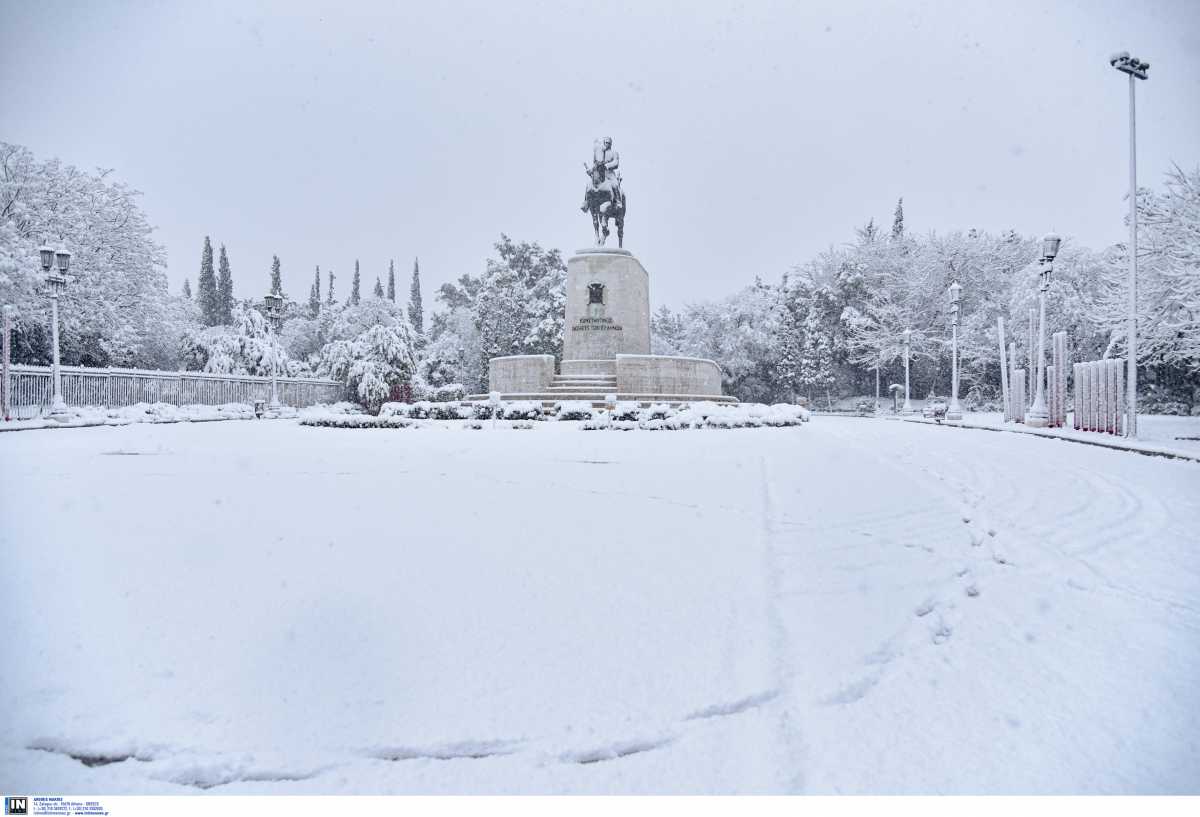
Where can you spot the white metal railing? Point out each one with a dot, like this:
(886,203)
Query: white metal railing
(31,390)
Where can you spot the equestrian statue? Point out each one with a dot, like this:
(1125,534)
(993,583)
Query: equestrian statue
(603,197)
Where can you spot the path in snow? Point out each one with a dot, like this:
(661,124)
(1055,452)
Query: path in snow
(855,605)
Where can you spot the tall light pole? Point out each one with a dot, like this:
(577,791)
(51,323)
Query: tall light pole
(274,309)
(1039,414)
(907,409)
(1136,69)
(954,412)
(55,264)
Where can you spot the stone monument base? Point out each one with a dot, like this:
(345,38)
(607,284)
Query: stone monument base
(633,378)
(606,345)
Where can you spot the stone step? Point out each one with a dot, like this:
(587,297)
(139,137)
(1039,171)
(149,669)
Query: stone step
(583,384)
(584,379)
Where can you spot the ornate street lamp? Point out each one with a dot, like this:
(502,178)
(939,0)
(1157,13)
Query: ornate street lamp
(954,412)
(55,264)
(274,310)
(1039,414)
(1136,69)
(907,409)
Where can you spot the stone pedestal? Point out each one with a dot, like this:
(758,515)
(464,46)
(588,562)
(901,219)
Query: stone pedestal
(608,306)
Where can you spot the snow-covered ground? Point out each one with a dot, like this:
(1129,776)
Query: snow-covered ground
(849,606)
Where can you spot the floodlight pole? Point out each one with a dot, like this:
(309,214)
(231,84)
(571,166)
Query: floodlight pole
(1136,69)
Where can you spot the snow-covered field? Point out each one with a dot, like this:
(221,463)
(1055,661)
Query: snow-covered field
(850,606)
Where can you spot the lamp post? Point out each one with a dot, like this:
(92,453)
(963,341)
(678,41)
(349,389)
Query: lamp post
(1136,69)
(55,264)
(954,412)
(1039,414)
(274,309)
(907,409)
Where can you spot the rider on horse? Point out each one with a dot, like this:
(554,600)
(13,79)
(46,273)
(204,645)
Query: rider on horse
(605,173)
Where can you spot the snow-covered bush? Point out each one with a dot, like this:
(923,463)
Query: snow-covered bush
(573,410)
(529,410)
(449,392)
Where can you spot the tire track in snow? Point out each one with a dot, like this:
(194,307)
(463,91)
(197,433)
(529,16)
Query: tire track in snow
(788,734)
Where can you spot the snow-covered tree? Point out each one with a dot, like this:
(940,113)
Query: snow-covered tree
(378,291)
(370,347)
(224,289)
(118,310)
(246,346)
(314,295)
(391,284)
(210,307)
(416,309)
(517,306)
(329,292)
(355,287)
(898,219)
(187,288)
(276,277)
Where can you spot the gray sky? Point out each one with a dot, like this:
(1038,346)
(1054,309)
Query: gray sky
(752,135)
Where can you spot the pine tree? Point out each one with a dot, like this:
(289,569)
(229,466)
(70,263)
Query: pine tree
(378,291)
(224,290)
(314,295)
(416,312)
(207,286)
(898,219)
(391,291)
(355,287)
(276,280)
(329,294)
(187,288)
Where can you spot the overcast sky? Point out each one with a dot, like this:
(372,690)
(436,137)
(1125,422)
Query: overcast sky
(752,135)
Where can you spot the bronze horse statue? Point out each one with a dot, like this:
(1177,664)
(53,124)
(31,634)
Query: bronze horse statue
(601,205)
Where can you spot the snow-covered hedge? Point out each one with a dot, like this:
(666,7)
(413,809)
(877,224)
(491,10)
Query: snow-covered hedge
(529,410)
(698,415)
(625,416)
(141,413)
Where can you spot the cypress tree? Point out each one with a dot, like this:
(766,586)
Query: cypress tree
(391,292)
(187,288)
(898,219)
(224,289)
(355,287)
(378,291)
(314,295)
(329,294)
(207,286)
(276,279)
(416,312)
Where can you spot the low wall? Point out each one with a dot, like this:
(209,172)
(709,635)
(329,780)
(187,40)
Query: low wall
(520,373)
(659,374)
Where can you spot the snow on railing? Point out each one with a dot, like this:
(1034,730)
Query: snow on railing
(31,389)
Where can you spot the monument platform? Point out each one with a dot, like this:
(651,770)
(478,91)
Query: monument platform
(606,345)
